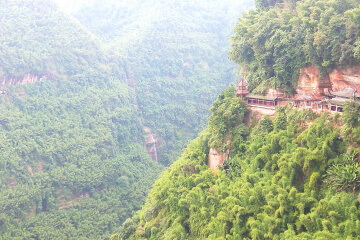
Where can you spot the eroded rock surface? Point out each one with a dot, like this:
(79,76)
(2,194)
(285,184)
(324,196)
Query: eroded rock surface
(151,141)
(28,78)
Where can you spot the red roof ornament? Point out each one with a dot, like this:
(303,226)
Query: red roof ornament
(241,88)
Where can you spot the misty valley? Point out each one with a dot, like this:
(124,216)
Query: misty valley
(164,119)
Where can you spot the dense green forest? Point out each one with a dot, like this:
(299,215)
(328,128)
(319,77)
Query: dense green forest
(273,42)
(73,163)
(292,176)
(61,146)
(176,57)
(47,43)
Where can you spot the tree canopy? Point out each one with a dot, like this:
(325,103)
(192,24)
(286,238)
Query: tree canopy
(73,160)
(273,42)
(296,180)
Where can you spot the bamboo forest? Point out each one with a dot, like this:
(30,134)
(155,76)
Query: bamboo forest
(176,120)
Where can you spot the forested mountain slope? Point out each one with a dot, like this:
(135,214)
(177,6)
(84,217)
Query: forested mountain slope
(272,44)
(175,57)
(73,162)
(38,39)
(72,159)
(295,176)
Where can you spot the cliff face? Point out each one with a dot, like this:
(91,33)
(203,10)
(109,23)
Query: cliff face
(151,142)
(310,83)
(217,158)
(348,77)
(28,78)
(311,86)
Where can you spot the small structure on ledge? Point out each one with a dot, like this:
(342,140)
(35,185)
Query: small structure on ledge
(241,88)
(307,101)
(338,99)
(347,93)
(332,101)
(261,101)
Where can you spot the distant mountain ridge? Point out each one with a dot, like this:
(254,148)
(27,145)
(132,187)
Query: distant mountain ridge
(72,155)
(175,56)
(78,113)
(292,175)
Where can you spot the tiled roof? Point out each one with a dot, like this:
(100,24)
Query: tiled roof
(260,97)
(337,101)
(242,82)
(347,92)
(305,97)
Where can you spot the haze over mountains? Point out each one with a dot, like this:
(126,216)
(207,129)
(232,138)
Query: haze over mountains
(175,55)
(99,98)
(280,157)
(81,88)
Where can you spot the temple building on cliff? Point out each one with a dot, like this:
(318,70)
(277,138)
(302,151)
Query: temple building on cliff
(327,100)
(310,94)
(242,88)
(254,100)
(338,99)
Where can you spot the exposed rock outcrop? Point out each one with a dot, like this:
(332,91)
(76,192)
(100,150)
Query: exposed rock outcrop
(151,142)
(275,92)
(217,158)
(28,78)
(262,111)
(311,83)
(348,77)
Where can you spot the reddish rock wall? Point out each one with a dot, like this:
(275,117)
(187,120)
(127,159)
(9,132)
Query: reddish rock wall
(348,77)
(311,84)
(25,80)
(275,93)
(262,111)
(217,158)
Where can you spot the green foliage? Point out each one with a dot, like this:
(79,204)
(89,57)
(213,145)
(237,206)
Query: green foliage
(280,122)
(71,155)
(46,43)
(265,4)
(72,159)
(275,189)
(176,57)
(273,43)
(227,118)
(346,174)
(351,118)
(275,186)
(73,164)
(265,126)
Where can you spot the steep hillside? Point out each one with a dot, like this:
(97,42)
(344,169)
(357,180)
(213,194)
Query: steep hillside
(39,40)
(85,98)
(295,176)
(272,45)
(175,57)
(73,164)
